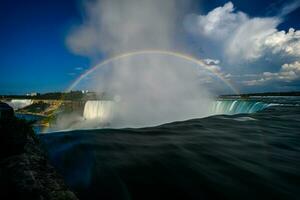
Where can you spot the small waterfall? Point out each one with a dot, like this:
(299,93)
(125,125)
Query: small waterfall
(19,103)
(98,110)
(237,106)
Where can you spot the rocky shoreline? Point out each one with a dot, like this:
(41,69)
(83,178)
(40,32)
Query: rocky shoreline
(25,172)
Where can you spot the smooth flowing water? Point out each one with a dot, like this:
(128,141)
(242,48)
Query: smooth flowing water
(253,155)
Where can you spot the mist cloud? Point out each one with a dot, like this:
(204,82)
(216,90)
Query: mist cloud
(150,89)
(118,26)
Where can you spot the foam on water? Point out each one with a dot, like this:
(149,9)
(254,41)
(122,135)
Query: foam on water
(244,119)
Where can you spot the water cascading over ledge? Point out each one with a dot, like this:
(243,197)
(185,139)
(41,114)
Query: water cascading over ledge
(19,103)
(237,106)
(103,111)
(99,110)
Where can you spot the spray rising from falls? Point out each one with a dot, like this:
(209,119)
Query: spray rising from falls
(104,112)
(153,84)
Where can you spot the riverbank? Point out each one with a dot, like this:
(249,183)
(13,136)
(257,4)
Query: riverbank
(47,111)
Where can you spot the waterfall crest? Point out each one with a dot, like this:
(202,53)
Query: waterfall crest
(237,106)
(105,113)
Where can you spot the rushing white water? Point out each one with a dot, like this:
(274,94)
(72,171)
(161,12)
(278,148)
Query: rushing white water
(19,103)
(237,106)
(99,110)
(105,112)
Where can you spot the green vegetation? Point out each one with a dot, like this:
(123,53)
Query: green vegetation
(73,95)
(68,96)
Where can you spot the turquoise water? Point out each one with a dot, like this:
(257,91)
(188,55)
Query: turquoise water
(238,106)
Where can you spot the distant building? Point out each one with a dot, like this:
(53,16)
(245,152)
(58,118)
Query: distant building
(33,94)
(84,91)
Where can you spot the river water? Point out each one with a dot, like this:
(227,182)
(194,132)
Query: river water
(253,155)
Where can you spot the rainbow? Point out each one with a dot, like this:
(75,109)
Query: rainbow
(153,52)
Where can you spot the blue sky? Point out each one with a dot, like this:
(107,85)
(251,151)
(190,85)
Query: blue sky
(33,54)
(37,55)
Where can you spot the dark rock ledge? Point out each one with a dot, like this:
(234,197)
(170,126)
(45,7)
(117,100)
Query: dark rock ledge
(24,169)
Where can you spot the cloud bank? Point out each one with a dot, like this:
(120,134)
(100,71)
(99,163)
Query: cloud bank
(243,41)
(288,73)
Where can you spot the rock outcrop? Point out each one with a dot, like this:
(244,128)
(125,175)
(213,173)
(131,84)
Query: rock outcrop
(24,169)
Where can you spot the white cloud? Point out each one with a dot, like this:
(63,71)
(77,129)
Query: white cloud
(289,8)
(242,38)
(292,67)
(247,41)
(223,19)
(287,73)
(209,61)
(215,68)
(285,42)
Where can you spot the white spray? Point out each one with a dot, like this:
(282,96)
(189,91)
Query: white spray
(147,89)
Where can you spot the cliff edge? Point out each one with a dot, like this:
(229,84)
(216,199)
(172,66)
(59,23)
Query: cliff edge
(24,169)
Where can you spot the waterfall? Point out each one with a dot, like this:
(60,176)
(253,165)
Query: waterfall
(237,106)
(103,111)
(98,110)
(19,103)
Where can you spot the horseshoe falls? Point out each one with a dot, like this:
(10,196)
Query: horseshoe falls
(103,110)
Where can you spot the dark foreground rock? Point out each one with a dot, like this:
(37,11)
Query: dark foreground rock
(24,170)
